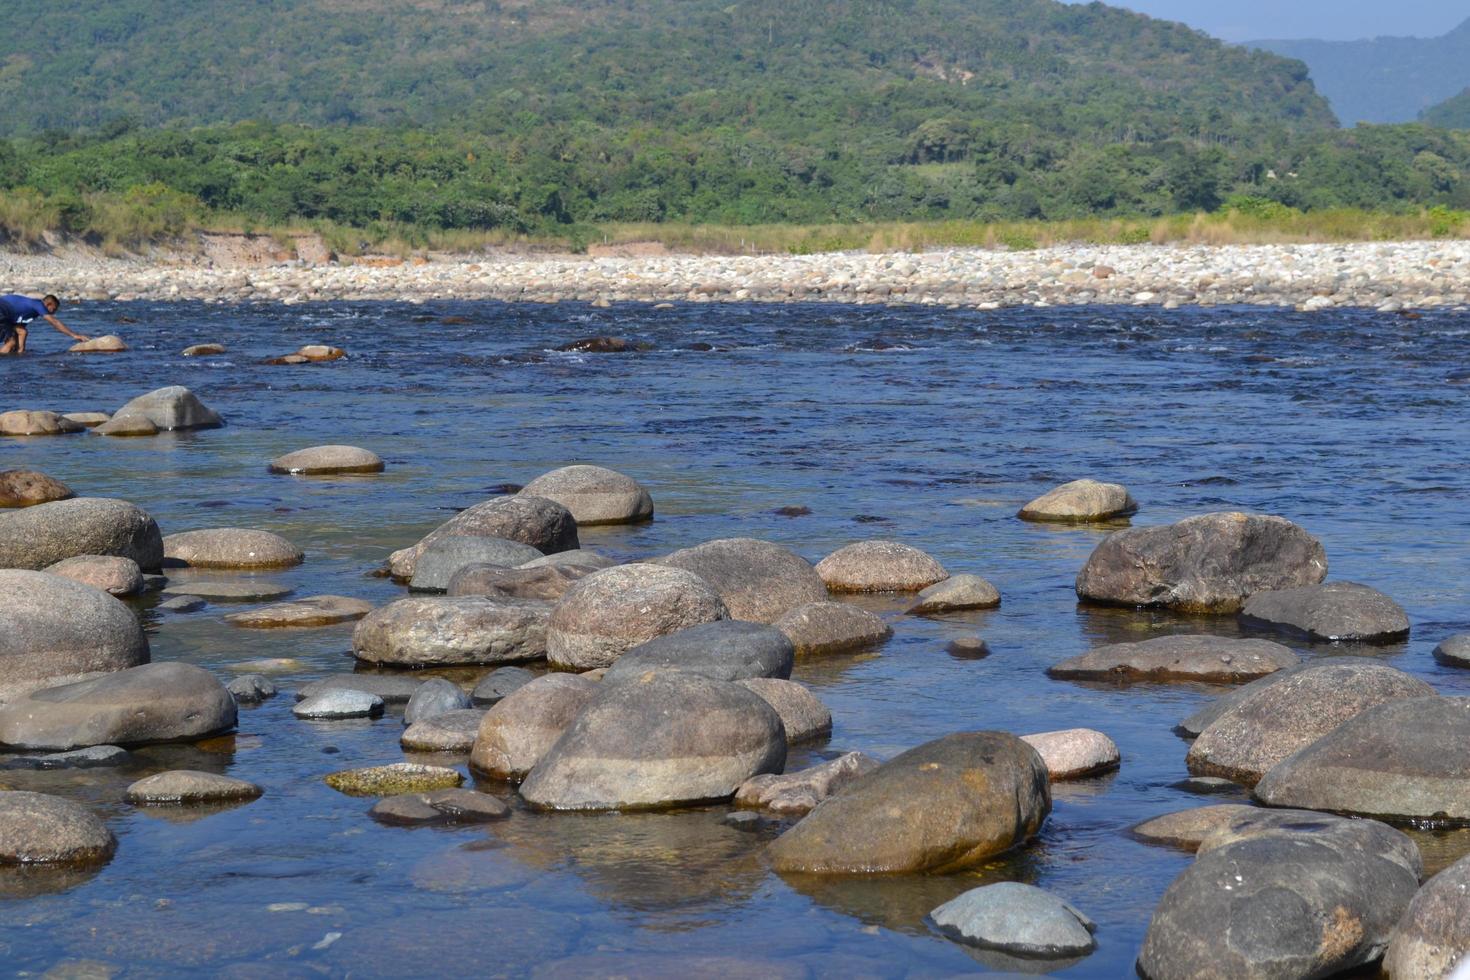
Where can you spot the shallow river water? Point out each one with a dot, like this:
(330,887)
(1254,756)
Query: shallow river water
(929,426)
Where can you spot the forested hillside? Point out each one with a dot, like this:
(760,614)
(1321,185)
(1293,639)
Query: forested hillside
(1452,113)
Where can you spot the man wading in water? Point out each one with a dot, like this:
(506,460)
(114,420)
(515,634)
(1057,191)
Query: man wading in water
(18,311)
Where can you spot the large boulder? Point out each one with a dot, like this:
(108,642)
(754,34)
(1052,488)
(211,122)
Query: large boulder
(616,609)
(25,422)
(36,828)
(417,632)
(1400,760)
(113,575)
(172,408)
(803,715)
(594,494)
(1245,742)
(1075,753)
(166,702)
(443,558)
(1079,502)
(946,805)
(543,524)
(520,728)
(38,537)
(662,740)
(1206,564)
(56,631)
(1210,659)
(546,582)
(1342,611)
(230,547)
(816,628)
(759,581)
(879,566)
(725,650)
(1018,919)
(325,460)
(1434,933)
(26,488)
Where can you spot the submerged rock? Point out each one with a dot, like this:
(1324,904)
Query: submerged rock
(1081,501)
(543,524)
(438,807)
(229,590)
(594,494)
(1338,611)
(26,488)
(1212,659)
(956,594)
(231,547)
(616,609)
(36,828)
(818,628)
(758,581)
(203,350)
(1015,918)
(317,610)
(879,566)
(400,777)
(190,786)
(40,536)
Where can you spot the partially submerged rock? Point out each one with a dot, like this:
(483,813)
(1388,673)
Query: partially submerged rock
(228,590)
(1336,611)
(825,627)
(435,696)
(1018,919)
(109,343)
(594,494)
(518,730)
(1081,501)
(956,594)
(1186,829)
(499,683)
(400,777)
(1211,659)
(417,632)
(452,731)
(170,408)
(443,558)
(1075,753)
(1454,651)
(724,650)
(440,806)
(26,422)
(392,688)
(879,566)
(317,610)
(543,524)
(36,828)
(127,427)
(798,793)
(616,609)
(251,688)
(27,488)
(327,460)
(802,715)
(181,786)
(758,581)
(203,350)
(339,704)
(40,536)
(231,547)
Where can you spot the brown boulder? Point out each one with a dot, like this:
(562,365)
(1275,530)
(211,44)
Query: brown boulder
(26,488)
(879,566)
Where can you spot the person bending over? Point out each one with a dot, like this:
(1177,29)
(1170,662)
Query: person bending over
(16,313)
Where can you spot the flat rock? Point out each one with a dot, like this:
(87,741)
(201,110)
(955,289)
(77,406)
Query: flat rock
(113,575)
(170,408)
(802,715)
(92,757)
(499,683)
(825,627)
(956,594)
(392,688)
(251,688)
(518,731)
(1075,753)
(435,697)
(440,806)
(339,704)
(438,630)
(943,806)
(231,547)
(1210,659)
(400,777)
(724,650)
(165,702)
(229,590)
(758,581)
(1206,564)
(594,494)
(36,828)
(1079,502)
(327,460)
(798,793)
(127,426)
(615,609)
(543,524)
(317,610)
(1454,651)
(25,422)
(40,536)
(203,350)
(1015,918)
(1185,829)
(452,731)
(109,343)
(26,488)
(1433,935)
(531,581)
(1369,836)
(1337,611)
(181,604)
(89,420)
(180,786)
(879,566)
(578,557)
(443,557)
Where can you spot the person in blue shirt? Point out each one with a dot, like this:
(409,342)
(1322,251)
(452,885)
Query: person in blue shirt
(16,313)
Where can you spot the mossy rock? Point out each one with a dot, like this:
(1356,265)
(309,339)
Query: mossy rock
(401,777)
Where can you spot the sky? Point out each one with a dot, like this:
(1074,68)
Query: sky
(1331,20)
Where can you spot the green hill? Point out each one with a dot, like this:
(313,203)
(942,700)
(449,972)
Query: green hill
(1453,113)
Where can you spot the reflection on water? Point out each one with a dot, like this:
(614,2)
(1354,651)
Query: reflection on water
(1351,431)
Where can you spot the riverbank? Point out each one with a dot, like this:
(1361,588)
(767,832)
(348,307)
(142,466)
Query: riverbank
(1380,275)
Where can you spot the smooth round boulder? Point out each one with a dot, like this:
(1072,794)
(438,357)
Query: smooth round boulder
(327,460)
(25,422)
(944,806)
(615,609)
(338,704)
(957,593)
(1454,651)
(1336,611)
(1245,742)
(168,702)
(879,566)
(391,780)
(317,610)
(109,343)
(127,427)
(594,494)
(1075,753)
(817,628)
(543,524)
(440,560)
(663,740)
(420,632)
(1018,919)
(27,488)
(545,582)
(435,696)
(802,715)
(113,575)
(499,683)
(40,536)
(1080,502)
(230,547)
(452,731)
(180,786)
(518,730)
(36,828)
(175,407)
(725,650)
(56,631)
(1206,659)
(1433,935)
(758,581)
(1206,564)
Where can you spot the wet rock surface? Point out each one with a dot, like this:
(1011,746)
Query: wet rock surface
(434,697)
(1336,611)
(1211,659)
(392,780)
(1016,918)
(339,704)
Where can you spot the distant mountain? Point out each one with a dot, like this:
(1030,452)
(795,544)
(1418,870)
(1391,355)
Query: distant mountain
(1387,79)
(1453,113)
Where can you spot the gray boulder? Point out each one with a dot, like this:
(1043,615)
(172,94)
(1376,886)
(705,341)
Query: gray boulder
(1019,919)
(825,627)
(36,828)
(594,494)
(956,594)
(251,688)
(1339,611)
(518,731)
(879,566)
(1434,933)
(1454,651)
(453,731)
(1079,502)
(724,650)
(1206,564)
(1210,659)
(802,715)
(546,582)
(615,609)
(115,576)
(230,547)
(442,558)
(172,408)
(499,683)
(418,632)
(435,697)
(40,536)
(180,786)
(543,524)
(339,704)
(798,793)
(758,581)
(54,631)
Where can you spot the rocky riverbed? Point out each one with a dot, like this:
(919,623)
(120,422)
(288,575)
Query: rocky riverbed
(1383,276)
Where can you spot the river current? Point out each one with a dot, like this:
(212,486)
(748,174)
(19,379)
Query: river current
(929,426)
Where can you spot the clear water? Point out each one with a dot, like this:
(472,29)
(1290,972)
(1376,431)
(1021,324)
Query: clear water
(1347,424)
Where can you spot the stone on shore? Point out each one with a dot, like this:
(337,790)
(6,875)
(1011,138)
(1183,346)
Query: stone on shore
(338,704)
(798,793)
(56,631)
(419,632)
(452,731)
(1454,651)
(825,627)
(391,780)
(1207,659)
(327,460)
(180,786)
(441,806)
(40,536)
(879,566)
(1075,753)
(1337,611)
(594,494)
(518,731)
(499,684)
(546,582)
(317,610)
(391,688)
(1206,564)
(126,427)
(172,408)
(27,422)
(203,350)
(167,702)
(723,650)
(943,806)
(1187,829)
(36,828)
(803,715)
(230,547)
(1245,742)
(1433,935)
(109,343)
(758,581)
(1018,919)
(615,609)
(435,696)
(440,560)
(251,688)
(956,594)
(113,575)
(27,488)
(543,524)
(662,740)
(1079,502)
